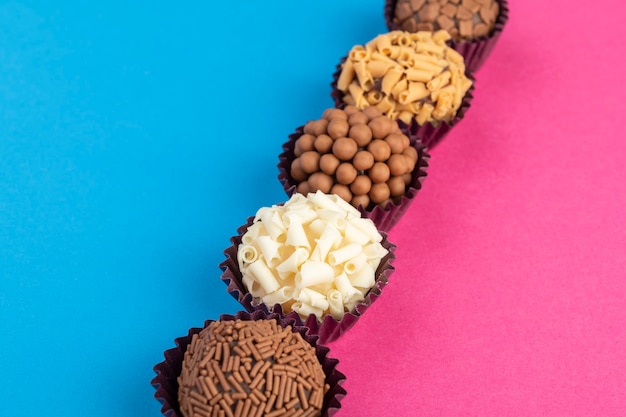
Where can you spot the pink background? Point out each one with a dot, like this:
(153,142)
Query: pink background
(509,295)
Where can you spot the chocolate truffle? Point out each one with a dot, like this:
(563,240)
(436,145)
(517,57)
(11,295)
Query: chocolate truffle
(408,76)
(374,148)
(314,254)
(250,368)
(464,19)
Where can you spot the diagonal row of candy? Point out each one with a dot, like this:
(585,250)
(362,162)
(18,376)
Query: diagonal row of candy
(305,270)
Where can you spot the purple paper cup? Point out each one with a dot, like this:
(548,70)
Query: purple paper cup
(428,134)
(166,380)
(475,51)
(384,218)
(329,329)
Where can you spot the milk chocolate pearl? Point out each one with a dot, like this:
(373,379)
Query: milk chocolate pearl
(396,143)
(323,143)
(361,184)
(396,186)
(345,148)
(397,164)
(410,165)
(360,200)
(316,127)
(296,171)
(338,128)
(372,112)
(342,191)
(329,163)
(361,134)
(320,181)
(406,142)
(346,173)
(381,126)
(383,204)
(363,160)
(308,127)
(304,143)
(379,149)
(379,172)
(310,161)
(331,114)
(379,193)
(359,117)
(319,127)
(351,109)
(303,188)
(410,152)
(407,178)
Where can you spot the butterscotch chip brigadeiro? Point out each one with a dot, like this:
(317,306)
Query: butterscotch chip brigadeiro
(408,76)
(250,368)
(463,19)
(360,155)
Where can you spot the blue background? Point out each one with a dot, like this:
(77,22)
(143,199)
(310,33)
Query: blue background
(134,140)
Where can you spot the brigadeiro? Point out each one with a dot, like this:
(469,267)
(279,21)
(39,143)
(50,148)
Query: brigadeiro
(360,155)
(415,79)
(474,25)
(249,365)
(314,256)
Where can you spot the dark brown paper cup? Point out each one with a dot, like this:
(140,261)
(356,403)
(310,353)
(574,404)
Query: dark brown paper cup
(474,52)
(384,219)
(428,134)
(166,384)
(329,329)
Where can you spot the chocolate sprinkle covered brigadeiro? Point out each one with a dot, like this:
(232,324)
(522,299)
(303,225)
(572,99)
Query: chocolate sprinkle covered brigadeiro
(249,365)
(250,368)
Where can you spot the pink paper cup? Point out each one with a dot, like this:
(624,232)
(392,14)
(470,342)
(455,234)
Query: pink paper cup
(167,372)
(475,51)
(384,218)
(329,329)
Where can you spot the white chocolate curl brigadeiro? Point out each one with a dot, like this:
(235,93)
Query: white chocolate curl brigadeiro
(314,254)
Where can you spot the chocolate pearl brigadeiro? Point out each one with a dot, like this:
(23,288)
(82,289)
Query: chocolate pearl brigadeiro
(360,155)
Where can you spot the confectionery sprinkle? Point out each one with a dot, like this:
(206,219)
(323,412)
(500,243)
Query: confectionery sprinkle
(361,156)
(408,76)
(252,368)
(463,19)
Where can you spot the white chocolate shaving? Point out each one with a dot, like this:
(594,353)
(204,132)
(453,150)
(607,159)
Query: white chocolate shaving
(314,298)
(304,310)
(335,303)
(246,255)
(364,277)
(280,296)
(344,253)
(269,248)
(354,265)
(296,236)
(260,273)
(345,287)
(292,264)
(314,273)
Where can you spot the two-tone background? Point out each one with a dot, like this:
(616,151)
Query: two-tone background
(135,137)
